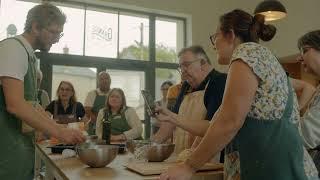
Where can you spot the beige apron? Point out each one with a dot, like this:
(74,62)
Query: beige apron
(192,108)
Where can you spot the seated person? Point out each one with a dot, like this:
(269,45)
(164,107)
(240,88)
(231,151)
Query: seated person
(66,109)
(125,123)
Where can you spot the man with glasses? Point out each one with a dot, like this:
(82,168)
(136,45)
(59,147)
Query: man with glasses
(204,100)
(19,110)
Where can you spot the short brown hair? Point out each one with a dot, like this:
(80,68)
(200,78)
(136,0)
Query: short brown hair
(44,14)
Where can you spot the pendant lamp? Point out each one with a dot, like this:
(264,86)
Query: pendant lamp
(271,9)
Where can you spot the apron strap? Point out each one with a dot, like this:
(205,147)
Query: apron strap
(289,105)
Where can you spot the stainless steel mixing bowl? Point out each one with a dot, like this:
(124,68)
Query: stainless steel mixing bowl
(96,155)
(159,152)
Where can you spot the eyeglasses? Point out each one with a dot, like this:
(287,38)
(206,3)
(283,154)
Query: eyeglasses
(185,65)
(57,35)
(305,49)
(65,89)
(213,39)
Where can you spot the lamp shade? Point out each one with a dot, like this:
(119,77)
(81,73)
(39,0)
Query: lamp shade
(271,9)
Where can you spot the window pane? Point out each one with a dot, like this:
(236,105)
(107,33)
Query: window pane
(101,33)
(165,75)
(169,39)
(131,82)
(134,37)
(82,78)
(72,40)
(13,17)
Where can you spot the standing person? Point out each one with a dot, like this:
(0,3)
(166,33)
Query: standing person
(66,109)
(18,93)
(309,46)
(258,119)
(162,102)
(96,99)
(43,96)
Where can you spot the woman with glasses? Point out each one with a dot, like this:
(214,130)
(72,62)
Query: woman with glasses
(66,109)
(309,45)
(257,122)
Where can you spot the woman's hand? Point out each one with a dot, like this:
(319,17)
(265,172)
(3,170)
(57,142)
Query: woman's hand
(178,172)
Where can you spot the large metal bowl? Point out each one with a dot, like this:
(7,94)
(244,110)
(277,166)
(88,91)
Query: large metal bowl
(96,155)
(159,152)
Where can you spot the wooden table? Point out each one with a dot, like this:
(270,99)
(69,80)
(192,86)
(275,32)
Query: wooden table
(73,168)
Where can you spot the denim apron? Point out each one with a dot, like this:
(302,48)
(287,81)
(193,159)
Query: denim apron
(268,149)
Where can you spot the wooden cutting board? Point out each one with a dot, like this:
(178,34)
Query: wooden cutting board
(154,168)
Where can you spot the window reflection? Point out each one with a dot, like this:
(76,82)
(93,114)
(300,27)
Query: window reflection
(101,33)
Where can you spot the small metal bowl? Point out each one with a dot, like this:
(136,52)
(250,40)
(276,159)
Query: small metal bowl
(96,156)
(159,152)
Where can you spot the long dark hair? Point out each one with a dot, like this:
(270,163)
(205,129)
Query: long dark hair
(248,28)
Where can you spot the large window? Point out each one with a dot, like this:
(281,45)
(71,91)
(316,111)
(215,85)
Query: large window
(104,32)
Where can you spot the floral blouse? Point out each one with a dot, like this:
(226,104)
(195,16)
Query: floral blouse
(270,99)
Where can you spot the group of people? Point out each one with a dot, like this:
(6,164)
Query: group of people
(65,109)
(251,114)
(257,120)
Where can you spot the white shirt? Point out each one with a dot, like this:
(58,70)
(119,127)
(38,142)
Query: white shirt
(14,58)
(89,101)
(310,124)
